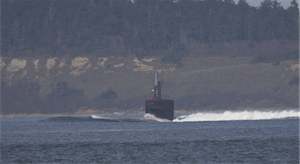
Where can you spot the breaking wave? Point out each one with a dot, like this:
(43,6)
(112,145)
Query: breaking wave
(98,117)
(151,117)
(238,115)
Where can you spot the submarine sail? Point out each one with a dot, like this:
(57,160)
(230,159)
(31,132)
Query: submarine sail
(156,105)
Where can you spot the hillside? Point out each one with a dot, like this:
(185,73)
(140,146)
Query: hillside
(210,79)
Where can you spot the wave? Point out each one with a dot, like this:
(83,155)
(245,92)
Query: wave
(98,117)
(151,117)
(195,117)
(113,119)
(238,115)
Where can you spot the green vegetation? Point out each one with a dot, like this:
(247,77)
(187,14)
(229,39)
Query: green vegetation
(139,27)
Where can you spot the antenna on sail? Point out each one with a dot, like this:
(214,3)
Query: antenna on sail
(157,87)
(156,79)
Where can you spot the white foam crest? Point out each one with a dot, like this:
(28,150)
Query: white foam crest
(238,115)
(149,116)
(98,117)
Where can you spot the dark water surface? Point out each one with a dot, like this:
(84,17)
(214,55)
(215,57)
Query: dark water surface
(38,140)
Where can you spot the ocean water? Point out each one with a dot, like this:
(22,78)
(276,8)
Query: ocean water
(84,140)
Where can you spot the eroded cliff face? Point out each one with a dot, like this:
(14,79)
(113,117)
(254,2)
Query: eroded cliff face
(76,66)
(128,78)
(124,82)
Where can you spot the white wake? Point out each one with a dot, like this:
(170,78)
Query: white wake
(238,115)
(151,117)
(98,117)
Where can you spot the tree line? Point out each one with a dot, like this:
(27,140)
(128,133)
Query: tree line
(24,96)
(138,27)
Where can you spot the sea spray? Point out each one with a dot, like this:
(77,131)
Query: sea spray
(238,115)
(98,117)
(151,117)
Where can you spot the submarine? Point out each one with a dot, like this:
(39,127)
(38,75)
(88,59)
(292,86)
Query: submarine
(156,105)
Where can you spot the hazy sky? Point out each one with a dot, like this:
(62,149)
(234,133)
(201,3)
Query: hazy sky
(284,3)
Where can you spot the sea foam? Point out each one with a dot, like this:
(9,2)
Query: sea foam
(238,115)
(151,117)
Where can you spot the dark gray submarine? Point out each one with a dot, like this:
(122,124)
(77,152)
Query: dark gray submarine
(156,105)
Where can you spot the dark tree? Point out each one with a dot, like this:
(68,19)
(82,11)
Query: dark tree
(19,96)
(140,27)
(63,99)
(106,98)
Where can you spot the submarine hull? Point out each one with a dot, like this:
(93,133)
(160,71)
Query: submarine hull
(161,108)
